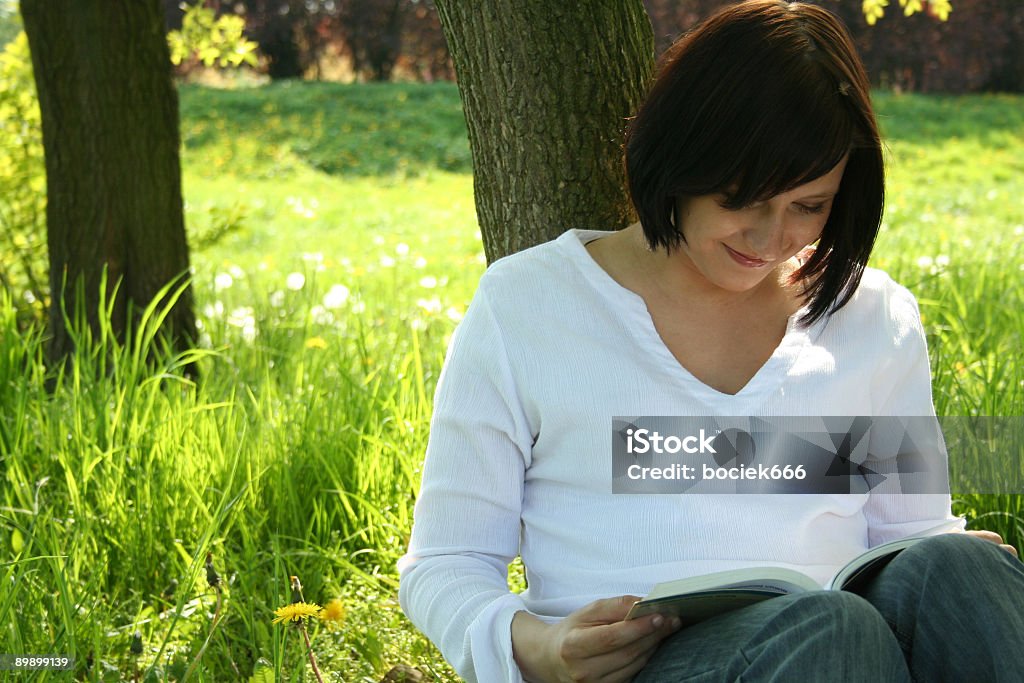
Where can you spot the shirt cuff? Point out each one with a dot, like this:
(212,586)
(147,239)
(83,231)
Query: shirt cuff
(489,641)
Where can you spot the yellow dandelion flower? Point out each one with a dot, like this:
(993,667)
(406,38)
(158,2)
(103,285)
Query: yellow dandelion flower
(316,343)
(296,611)
(333,611)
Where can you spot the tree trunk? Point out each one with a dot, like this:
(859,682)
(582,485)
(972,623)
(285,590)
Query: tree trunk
(110,135)
(547,88)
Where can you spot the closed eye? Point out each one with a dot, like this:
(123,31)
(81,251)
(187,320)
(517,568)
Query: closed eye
(810,208)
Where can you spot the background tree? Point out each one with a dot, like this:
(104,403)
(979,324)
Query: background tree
(546,88)
(207,39)
(287,33)
(110,137)
(546,92)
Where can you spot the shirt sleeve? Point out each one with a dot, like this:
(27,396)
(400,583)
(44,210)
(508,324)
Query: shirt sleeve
(905,390)
(453,579)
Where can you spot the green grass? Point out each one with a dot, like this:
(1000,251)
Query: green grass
(346,130)
(340,248)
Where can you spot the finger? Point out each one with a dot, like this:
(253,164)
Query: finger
(622,664)
(607,611)
(626,673)
(1010,549)
(596,640)
(986,535)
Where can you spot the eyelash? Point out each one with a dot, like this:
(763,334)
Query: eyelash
(802,208)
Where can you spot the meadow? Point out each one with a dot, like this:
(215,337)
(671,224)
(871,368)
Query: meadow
(335,249)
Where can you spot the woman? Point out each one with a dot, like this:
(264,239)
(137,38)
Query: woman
(756,141)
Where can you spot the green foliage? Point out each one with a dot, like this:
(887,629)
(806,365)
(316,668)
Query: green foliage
(352,130)
(23,260)
(289,458)
(210,40)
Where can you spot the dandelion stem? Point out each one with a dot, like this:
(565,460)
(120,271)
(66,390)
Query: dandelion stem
(309,650)
(209,636)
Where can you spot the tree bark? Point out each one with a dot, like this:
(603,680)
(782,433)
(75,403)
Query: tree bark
(111,141)
(547,88)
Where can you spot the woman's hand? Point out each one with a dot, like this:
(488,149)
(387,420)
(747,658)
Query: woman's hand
(992,537)
(591,644)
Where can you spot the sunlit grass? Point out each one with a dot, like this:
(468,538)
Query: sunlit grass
(334,274)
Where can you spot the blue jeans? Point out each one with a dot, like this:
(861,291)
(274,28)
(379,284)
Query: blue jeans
(950,608)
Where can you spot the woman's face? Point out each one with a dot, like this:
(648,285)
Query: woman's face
(736,249)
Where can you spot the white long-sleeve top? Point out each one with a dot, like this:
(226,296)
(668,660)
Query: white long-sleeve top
(519,455)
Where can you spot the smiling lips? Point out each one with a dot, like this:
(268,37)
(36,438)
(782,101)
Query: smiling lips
(745,260)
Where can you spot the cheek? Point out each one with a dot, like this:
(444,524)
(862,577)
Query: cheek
(810,231)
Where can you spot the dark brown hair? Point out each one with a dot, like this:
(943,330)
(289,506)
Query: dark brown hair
(760,98)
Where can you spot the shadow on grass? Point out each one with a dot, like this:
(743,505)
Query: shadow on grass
(343,130)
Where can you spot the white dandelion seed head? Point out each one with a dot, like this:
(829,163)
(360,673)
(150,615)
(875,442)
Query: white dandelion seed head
(222,281)
(431,305)
(295,281)
(321,316)
(336,296)
(214,310)
(241,316)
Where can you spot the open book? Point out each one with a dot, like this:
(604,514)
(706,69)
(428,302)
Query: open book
(701,597)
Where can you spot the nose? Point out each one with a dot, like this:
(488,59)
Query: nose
(766,237)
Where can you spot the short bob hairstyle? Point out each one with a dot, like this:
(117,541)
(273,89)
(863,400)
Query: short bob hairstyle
(760,98)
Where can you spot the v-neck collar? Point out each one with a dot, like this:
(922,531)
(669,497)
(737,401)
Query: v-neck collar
(764,381)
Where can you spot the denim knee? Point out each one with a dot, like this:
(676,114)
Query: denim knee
(953,551)
(840,612)
(828,635)
(950,590)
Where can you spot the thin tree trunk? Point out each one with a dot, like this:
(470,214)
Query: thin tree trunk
(547,88)
(110,134)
